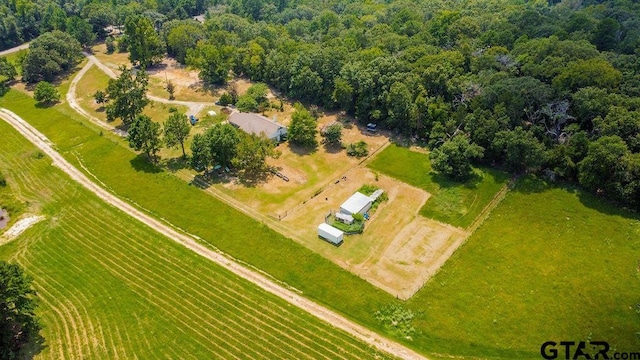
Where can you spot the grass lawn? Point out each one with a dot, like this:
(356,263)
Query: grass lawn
(539,275)
(110,287)
(452,202)
(549,264)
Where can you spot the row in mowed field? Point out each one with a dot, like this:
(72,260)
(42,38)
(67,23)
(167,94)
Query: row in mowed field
(452,202)
(499,263)
(110,287)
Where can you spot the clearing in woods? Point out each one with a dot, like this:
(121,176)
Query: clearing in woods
(110,288)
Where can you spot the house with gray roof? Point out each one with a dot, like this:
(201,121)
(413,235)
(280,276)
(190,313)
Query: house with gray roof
(257,124)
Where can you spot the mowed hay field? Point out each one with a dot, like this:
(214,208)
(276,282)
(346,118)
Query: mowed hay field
(110,288)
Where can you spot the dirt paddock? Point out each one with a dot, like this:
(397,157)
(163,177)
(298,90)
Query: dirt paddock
(398,251)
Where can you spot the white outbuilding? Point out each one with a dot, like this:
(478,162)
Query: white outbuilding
(331,234)
(358,203)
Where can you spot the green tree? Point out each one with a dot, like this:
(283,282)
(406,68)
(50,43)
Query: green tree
(604,166)
(303,128)
(607,34)
(333,134)
(176,131)
(110,44)
(81,30)
(200,155)
(100,97)
(127,95)
(223,141)
(182,38)
(46,93)
(7,71)
(246,103)
(19,325)
(454,157)
(583,73)
(214,62)
(144,135)
(251,156)
(519,149)
(144,44)
(50,55)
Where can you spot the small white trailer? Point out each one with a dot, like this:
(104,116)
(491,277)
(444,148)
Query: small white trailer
(331,234)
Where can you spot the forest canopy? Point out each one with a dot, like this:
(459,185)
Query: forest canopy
(547,87)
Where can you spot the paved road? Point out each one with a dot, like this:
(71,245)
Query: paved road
(269,285)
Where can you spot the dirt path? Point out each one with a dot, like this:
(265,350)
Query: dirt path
(363,334)
(14,49)
(194,107)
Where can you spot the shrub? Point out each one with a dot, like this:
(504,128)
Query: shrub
(3,181)
(358,149)
(358,217)
(398,319)
(226,99)
(46,93)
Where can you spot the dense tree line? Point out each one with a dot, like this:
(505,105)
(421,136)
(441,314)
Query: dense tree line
(530,87)
(24,20)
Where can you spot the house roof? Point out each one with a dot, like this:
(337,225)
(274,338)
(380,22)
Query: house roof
(331,230)
(254,123)
(356,203)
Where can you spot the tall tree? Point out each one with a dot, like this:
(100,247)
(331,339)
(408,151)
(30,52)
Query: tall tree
(127,95)
(176,131)
(520,150)
(81,30)
(454,157)
(200,155)
(18,323)
(223,141)
(303,128)
(7,71)
(144,44)
(144,135)
(214,62)
(50,55)
(252,153)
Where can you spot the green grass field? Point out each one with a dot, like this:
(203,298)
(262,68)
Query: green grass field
(537,274)
(549,264)
(452,202)
(112,288)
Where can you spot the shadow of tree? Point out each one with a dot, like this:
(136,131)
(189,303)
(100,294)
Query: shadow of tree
(252,179)
(143,164)
(446,182)
(332,148)
(302,150)
(176,163)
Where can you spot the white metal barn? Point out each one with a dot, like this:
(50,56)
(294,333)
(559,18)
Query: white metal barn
(331,234)
(357,203)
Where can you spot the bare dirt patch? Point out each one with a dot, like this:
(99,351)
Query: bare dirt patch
(19,227)
(399,249)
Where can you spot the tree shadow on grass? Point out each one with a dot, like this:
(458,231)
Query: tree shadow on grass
(302,150)
(142,163)
(176,163)
(253,179)
(531,184)
(604,205)
(46,105)
(445,182)
(332,148)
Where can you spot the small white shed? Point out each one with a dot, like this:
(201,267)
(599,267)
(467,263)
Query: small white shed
(358,203)
(347,219)
(331,234)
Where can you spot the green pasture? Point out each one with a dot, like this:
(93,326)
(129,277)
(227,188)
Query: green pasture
(536,273)
(110,287)
(550,264)
(452,202)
